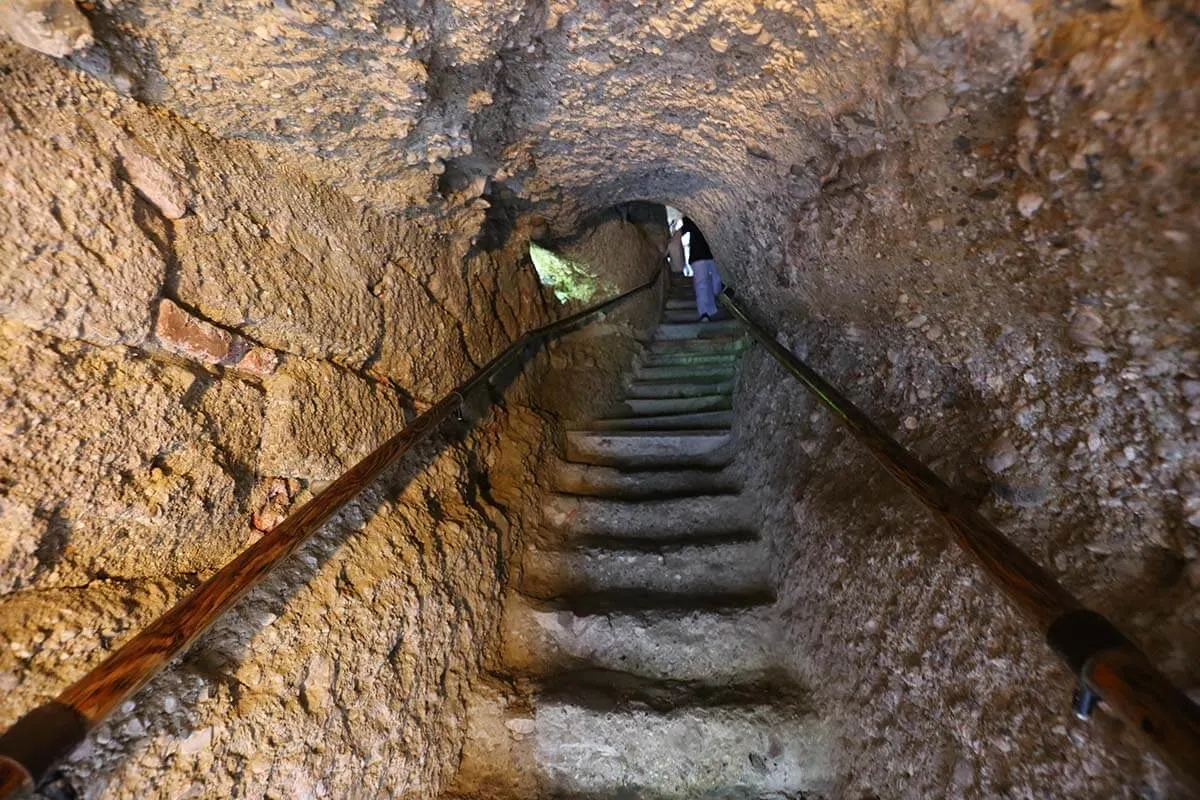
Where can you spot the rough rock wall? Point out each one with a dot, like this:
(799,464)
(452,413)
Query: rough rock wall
(619,251)
(194,339)
(1003,277)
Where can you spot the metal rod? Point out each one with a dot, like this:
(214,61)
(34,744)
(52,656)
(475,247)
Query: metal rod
(39,739)
(1106,663)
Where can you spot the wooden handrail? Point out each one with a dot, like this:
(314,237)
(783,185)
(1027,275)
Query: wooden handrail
(51,731)
(1107,665)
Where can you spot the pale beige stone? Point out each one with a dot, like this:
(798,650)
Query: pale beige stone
(155,182)
(930,109)
(53,27)
(1029,203)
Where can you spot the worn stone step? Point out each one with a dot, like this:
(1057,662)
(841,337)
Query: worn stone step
(676,302)
(597,481)
(685,358)
(733,572)
(716,646)
(681,314)
(703,420)
(771,745)
(644,601)
(604,690)
(669,519)
(642,449)
(695,387)
(708,753)
(723,371)
(698,330)
(708,345)
(638,407)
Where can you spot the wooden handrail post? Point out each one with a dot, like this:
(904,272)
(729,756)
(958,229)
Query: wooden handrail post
(1107,665)
(48,733)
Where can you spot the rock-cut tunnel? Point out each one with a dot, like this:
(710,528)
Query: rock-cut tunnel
(244,245)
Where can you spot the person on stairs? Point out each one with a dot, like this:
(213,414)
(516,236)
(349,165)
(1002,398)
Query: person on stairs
(699,264)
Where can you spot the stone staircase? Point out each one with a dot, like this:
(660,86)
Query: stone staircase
(639,648)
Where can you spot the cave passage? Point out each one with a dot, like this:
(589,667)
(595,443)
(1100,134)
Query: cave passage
(243,244)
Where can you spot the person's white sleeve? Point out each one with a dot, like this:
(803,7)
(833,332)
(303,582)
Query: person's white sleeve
(674,219)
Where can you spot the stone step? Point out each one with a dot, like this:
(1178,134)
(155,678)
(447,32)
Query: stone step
(707,346)
(757,741)
(658,520)
(634,407)
(732,572)
(685,358)
(641,601)
(680,314)
(696,387)
(685,372)
(698,330)
(743,752)
(644,449)
(596,481)
(608,689)
(714,646)
(719,420)
(681,302)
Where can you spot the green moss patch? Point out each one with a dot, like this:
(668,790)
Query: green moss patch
(571,279)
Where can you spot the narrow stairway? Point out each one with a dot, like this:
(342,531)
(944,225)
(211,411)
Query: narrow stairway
(642,632)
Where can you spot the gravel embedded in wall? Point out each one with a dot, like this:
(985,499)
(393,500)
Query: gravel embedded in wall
(1006,290)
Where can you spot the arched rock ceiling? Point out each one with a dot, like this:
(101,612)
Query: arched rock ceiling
(709,103)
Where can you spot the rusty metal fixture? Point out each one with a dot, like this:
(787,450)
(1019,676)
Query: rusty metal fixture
(1107,666)
(48,733)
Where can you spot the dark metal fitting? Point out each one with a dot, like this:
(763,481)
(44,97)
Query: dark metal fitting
(40,738)
(1084,701)
(1079,635)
